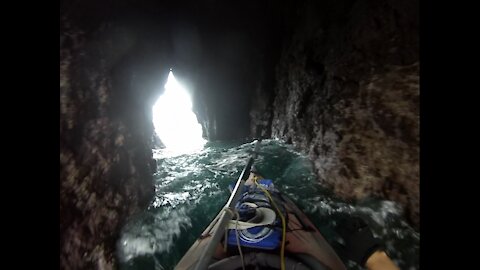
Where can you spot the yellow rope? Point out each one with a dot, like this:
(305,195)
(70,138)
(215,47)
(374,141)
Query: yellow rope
(238,240)
(282,250)
(235,213)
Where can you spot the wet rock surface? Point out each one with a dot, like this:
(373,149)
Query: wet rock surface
(105,146)
(347,94)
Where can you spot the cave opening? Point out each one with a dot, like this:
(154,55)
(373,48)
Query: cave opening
(175,123)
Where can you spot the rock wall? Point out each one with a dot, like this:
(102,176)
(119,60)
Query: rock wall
(106,141)
(347,94)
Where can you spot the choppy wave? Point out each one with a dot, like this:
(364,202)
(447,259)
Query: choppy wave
(154,233)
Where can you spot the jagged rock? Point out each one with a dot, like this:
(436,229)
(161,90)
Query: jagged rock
(105,153)
(347,94)
(157,142)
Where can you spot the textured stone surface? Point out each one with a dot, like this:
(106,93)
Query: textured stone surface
(347,94)
(105,157)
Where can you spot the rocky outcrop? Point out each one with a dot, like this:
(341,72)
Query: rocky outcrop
(347,94)
(105,142)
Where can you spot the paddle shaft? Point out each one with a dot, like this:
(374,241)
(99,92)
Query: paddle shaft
(226,216)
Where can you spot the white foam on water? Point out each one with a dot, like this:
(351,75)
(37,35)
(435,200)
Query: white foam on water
(156,238)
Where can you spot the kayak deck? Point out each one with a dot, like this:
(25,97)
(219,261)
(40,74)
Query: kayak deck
(302,237)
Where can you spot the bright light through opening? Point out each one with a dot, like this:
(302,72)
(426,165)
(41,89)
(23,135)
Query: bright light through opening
(174,121)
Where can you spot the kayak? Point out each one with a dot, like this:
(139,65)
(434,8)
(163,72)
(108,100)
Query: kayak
(260,228)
